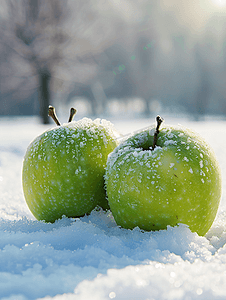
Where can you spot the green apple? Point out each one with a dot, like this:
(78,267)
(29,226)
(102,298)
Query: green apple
(63,169)
(164,177)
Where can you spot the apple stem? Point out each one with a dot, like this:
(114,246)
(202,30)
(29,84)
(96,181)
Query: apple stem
(159,122)
(72,113)
(52,114)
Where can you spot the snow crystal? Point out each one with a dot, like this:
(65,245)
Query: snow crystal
(186,159)
(135,153)
(190,170)
(170,142)
(201,164)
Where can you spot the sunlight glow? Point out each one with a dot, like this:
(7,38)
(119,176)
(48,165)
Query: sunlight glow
(219,3)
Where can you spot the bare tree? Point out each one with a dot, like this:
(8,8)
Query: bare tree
(32,32)
(45,40)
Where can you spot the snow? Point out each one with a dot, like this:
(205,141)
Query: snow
(92,258)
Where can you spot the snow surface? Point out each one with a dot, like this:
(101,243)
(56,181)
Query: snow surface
(92,258)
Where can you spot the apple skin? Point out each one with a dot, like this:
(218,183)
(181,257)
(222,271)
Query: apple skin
(178,182)
(63,169)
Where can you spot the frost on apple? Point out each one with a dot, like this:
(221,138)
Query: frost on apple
(63,169)
(165,182)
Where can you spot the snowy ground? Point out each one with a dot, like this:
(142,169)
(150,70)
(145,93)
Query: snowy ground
(91,258)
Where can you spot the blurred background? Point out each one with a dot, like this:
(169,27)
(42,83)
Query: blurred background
(113,58)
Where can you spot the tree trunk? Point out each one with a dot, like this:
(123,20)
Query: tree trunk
(44,94)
